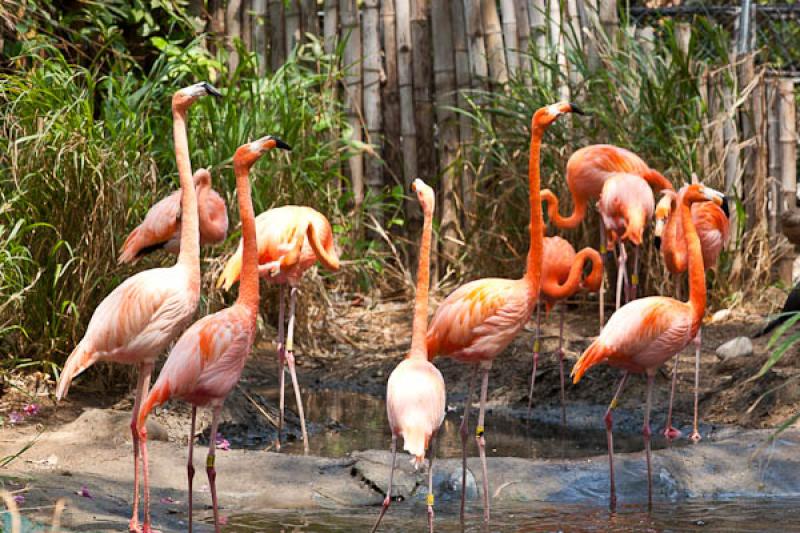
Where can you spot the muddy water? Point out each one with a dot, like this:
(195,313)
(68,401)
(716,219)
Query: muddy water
(348,421)
(729,516)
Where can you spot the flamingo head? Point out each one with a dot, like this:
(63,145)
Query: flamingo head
(663,210)
(202,178)
(545,116)
(247,154)
(425,195)
(185,97)
(700,193)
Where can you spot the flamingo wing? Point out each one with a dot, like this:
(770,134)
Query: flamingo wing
(160,224)
(214,226)
(713,229)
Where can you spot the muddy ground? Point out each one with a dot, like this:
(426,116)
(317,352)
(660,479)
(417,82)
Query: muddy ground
(362,343)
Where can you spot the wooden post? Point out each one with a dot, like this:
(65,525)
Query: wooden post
(445,84)
(748,133)
(246,17)
(351,31)
(609,18)
(260,34)
(475,42)
(310,22)
(373,173)
(498,71)
(390,95)
(277,32)
(292,25)
(510,36)
(683,35)
(233,31)
(216,10)
(331,25)
(788,141)
(775,198)
(464,82)
(406,89)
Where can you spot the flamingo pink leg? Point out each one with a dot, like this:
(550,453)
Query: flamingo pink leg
(190,463)
(133,525)
(561,366)
(623,257)
(140,447)
(292,372)
(388,499)
(609,421)
(602,294)
(698,344)
(670,432)
(211,470)
(281,362)
(481,439)
(430,498)
(464,434)
(646,433)
(535,357)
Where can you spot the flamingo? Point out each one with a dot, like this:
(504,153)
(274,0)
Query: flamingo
(415,392)
(625,205)
(290,240)
(713,229)
(477,321)
(587,171)
(644,334)
(207,361)
(161,227)
(561,278)
(139,319)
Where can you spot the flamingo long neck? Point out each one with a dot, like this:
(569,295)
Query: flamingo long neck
(656,180)
(420,324)
(189,255)
(248,282)
(697,276)
(533,267)
(553,290)
(677,239)
(571,221)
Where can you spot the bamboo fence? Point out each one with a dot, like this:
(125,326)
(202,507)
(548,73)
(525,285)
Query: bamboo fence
(409,63)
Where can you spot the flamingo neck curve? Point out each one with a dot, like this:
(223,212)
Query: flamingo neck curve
(248,281)
(533,267)
(697,276)
(420,325)
(189,255)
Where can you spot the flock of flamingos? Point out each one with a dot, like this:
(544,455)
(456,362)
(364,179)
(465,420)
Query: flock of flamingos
(474,324)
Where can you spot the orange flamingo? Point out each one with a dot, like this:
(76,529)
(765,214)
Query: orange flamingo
(477,321)
(415,392)
(207,361)
(626,203)
(139,319)
(161,227)
(642,335)
(587,171)
(713,230)
(562,269)
(290,240)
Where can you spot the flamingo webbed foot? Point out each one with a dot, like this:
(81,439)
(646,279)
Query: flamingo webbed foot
(133,526)
(671,433)
(695,436)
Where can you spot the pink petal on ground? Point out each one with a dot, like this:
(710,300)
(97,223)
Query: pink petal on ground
(222,443)
(19,498)
(168,500)
(84,492)
(15,417)
(223,520)
(31,409)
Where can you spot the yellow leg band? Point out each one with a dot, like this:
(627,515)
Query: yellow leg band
(613,404)
(603,249)
(536,346)
(430,500)
(635,279)
(210,461)
(479,431)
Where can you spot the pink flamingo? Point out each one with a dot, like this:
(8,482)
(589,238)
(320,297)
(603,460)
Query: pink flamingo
(139,319)
(587,171)
(562,269)
(644,334)
(207,361)
(290,240)
(713,229)
(626,203)
(415,393)
(477,321)
(161,227)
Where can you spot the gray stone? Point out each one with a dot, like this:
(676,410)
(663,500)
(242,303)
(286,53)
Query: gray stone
(738,347)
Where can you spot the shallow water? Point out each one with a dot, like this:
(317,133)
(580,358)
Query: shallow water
(349,421)
(727,516)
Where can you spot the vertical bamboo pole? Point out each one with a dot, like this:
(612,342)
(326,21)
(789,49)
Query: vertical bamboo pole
(573,40)
(406,89)
(331,25)
(351,31)
(609,18)
(748,130)
(233,31)
(464,82)
(475,43)
(774,149)
(788,142)
(310,22)
(683,34)
(246,16)
(445,84)
(510,36)
(537,10)
(216,10)
(589,12)
(422,74)
(373,172)
(761,156)
(390,95)
(523,37)
(557,46)
(498,70)
(277,32)
(292,25)
(260,34)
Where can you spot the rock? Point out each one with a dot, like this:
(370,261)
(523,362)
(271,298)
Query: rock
(721,316)
(734,348)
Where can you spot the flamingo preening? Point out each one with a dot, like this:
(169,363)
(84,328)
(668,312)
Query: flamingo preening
(562,270)
(139,319)
(207,361)
(415,392)
(644,334)
(161,227)
(713,229)
(587,171)
(290,240)
(477,321)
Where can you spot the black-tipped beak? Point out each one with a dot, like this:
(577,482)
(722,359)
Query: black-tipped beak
(576,109)
(657,242)
(725,208)
(282,145)
(210,89)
